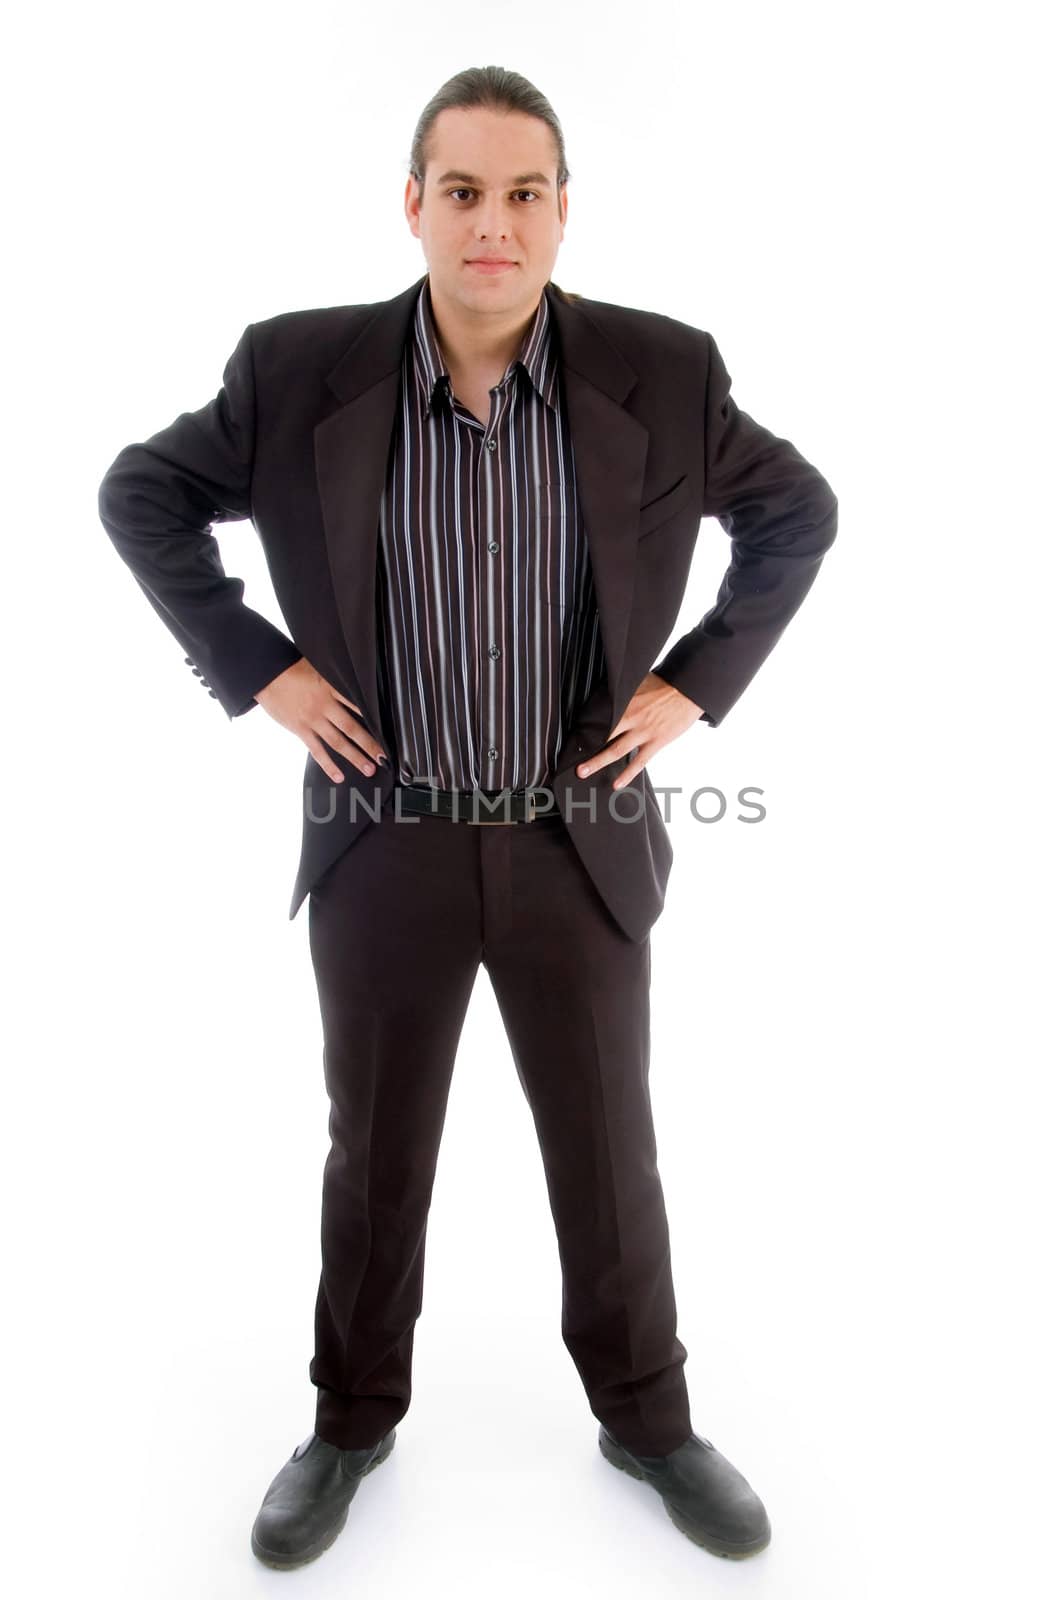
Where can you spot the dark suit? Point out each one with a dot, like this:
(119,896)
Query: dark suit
(558,910)
(298,439)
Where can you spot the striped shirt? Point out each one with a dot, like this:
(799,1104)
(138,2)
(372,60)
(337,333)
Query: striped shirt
(486,612)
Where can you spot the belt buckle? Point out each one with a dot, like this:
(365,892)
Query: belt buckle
(496,822)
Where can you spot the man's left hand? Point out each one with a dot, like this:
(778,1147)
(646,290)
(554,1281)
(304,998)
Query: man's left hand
(656,714)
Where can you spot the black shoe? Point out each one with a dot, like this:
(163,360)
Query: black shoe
(306,1505)
(706,1497)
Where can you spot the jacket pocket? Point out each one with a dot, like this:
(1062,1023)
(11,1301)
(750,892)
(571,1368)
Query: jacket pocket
(657,511)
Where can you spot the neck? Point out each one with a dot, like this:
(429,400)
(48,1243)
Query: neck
(474,341)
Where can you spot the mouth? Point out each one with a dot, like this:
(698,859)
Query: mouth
(490,264)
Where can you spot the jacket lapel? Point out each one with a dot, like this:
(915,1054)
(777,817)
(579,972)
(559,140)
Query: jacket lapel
(351,449)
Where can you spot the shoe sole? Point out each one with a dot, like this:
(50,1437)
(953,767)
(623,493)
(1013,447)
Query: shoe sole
(271,1558)
(718,1547)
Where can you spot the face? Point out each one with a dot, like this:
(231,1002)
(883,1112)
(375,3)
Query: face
(490,192)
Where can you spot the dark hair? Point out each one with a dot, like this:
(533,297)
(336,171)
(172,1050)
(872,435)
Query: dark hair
(496,89)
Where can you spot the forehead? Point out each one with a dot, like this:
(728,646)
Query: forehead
(488,147)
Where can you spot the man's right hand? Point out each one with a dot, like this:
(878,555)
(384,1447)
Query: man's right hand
(301,700)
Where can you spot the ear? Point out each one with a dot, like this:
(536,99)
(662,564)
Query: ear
(411,208)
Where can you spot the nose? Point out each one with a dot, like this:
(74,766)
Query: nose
(492,223)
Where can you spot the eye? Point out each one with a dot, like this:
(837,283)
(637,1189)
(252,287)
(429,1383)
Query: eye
(531,192)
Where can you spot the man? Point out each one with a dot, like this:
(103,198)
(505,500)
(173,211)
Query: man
(479,502)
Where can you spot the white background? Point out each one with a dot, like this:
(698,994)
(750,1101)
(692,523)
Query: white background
(856,1042)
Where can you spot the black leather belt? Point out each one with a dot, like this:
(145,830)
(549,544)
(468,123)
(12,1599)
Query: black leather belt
(479,806)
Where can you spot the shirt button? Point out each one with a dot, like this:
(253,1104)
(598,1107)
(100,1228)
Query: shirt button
(493,754)
(494,652)
(491,444)
(494,547)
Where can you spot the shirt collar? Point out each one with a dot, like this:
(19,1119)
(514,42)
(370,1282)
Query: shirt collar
(537,353)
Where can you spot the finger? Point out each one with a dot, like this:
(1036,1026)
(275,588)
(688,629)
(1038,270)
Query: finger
(337,740)
(356,731)
(601,758)
(645,751)
(629,772)
(605,757)
(322,757)
(345,700)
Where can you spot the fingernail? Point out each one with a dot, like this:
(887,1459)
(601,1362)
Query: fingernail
(381,760)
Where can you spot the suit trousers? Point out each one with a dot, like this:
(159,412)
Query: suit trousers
(399,926)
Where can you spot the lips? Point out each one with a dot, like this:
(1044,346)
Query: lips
(490,264)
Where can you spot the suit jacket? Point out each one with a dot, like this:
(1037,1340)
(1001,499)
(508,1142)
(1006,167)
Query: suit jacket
(298,439)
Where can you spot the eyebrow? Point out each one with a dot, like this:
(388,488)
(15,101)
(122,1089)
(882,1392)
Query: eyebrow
(466,177)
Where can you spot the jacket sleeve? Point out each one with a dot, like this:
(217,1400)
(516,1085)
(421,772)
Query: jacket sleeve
(781,517)
(158,501)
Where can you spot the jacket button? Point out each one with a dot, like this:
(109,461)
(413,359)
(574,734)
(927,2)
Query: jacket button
(212,694)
